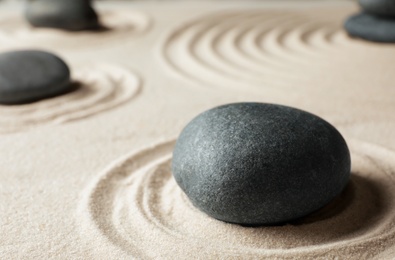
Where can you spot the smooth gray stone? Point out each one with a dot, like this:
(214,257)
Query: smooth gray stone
(28,76)
(260,164)
(371,28)
(73,15)
(378,7)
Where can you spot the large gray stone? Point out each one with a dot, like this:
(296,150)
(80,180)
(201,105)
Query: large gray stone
(256,164)
(73,15)
(371,27)
(379,7)
(28,76)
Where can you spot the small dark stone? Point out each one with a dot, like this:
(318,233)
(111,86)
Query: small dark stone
(260,164)
(73,15)
(28,76)
(378,7)
(371,27)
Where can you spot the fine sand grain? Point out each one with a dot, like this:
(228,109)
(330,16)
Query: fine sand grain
(97,87)
(86,175)
(116,27)
(137,197)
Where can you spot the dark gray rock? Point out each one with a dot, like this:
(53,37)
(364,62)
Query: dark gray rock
(256,164)
(371,28)
(28,76)
(378,7)
(73,15)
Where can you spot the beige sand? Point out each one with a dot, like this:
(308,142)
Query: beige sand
(86,175)
(98,87)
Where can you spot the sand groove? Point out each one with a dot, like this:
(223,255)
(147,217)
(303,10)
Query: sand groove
(99,87)
(118,25)
(257,49)
(138,207)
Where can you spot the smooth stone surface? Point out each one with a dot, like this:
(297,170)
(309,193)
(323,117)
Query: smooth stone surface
(378,7)
(28,76)
(73,15)
(256,164)
(371,28)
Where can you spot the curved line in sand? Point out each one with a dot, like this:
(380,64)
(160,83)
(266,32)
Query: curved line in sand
(137,205)
(101,199)
(117,25)
(99,87)
(256,49)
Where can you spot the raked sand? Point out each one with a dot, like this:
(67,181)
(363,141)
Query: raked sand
(86,175)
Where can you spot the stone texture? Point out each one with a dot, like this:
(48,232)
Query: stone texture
(73,15)
(379,7)
(256,164)
(28,76)
(371,27)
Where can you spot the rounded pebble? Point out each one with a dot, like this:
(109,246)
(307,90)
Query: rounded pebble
(371,27)
(28,76)
(260,164)
(73,15)
(379,7)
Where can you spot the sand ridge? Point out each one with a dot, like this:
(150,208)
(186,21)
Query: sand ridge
(253,50)
(117,25)
(137,197)
(97,87)
(94,189)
